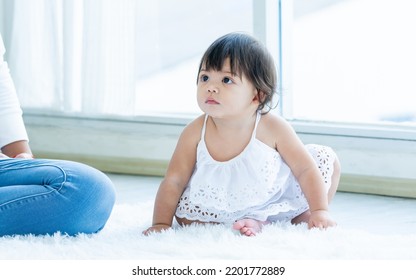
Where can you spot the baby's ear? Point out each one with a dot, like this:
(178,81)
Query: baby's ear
(259,96)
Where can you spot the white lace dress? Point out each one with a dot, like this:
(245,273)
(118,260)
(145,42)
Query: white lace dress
(255,184)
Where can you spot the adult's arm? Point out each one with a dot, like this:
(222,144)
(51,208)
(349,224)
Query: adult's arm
(13,135)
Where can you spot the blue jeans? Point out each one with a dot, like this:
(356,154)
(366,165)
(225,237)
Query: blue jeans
(41,196)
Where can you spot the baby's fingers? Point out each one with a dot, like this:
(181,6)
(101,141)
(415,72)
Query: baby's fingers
(147,231)
(321,224)
(314,224)
(158,228)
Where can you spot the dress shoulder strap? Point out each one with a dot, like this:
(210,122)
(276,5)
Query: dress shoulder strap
(258,117)
(203,128)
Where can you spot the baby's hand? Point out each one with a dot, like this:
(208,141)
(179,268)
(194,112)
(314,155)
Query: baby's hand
(156,228)
(320,219)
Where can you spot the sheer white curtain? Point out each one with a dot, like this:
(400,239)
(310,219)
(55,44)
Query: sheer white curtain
(72,55)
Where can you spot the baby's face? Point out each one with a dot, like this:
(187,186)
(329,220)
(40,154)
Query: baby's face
(224,94)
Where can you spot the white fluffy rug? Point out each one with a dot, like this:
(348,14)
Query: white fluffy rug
(121,239)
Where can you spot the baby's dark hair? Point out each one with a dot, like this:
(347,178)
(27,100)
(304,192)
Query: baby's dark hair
(247,56)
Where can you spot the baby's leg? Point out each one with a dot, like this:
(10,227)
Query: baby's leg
(185,222)
(302,218)
(249,227)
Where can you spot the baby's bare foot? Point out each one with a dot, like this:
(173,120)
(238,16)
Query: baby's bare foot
(249,227)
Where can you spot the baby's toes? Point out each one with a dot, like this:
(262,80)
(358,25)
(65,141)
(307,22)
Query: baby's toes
(238,225)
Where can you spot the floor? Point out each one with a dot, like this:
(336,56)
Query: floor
(372,213)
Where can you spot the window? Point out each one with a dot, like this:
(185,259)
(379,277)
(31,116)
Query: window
(106,57)
(347,82)
(353,61)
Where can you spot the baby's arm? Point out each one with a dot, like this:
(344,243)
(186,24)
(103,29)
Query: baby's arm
(177,176)
(314,189)
(307,173)
(165,205)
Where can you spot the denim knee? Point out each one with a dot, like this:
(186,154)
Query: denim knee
(96,194)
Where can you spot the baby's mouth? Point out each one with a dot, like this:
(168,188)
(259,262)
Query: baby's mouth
(211,101)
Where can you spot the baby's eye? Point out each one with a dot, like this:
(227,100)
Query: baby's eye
(204,78)
(227,80)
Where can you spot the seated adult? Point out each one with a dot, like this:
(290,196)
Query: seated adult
(44,196)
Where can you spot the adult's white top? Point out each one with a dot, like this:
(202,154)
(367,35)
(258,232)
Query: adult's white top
(12,127)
